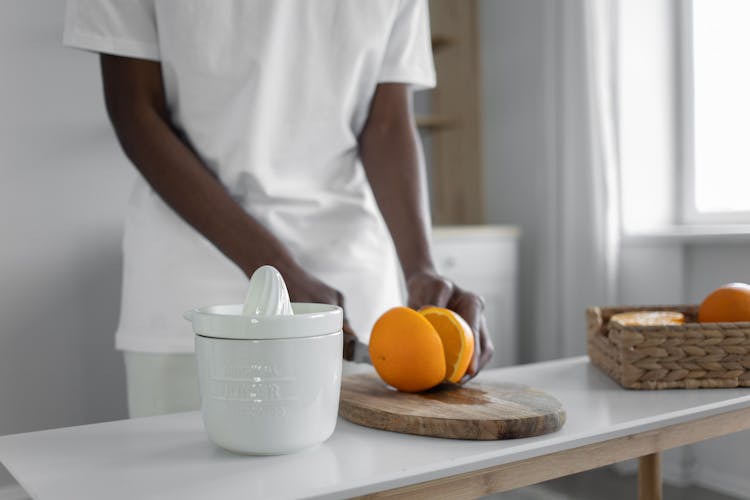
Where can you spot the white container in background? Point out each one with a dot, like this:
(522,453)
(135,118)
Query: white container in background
(269,384)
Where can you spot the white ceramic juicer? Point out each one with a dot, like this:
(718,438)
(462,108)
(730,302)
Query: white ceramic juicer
(269,371)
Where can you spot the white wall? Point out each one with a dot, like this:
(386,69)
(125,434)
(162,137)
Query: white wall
(63,189)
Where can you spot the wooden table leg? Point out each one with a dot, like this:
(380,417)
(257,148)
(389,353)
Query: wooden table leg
(649,477)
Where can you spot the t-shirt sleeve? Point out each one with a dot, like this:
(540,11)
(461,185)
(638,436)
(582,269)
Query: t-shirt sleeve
(408,53)
(120,27)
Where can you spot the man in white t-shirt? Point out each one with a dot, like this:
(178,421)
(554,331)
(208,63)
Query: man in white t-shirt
(266,132)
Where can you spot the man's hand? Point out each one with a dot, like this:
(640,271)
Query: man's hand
(429,288)
(392,157)
(303,287)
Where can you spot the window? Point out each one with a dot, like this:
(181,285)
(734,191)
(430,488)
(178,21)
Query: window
(646,110)
(683,93)
(715,109)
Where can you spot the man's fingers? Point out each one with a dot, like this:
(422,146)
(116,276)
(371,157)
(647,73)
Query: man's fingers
(475,364)
(442,293)
(487,348)
(432,291)
(469,306)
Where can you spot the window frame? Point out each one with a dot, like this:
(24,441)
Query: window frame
(687,211)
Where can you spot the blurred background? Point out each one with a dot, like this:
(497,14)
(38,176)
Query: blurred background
(580,152)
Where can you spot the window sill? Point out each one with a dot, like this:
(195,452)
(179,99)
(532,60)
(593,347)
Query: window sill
(688,234)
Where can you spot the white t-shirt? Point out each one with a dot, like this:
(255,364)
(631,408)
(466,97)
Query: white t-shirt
(272,95)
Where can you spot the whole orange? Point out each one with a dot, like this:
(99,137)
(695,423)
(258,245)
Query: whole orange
(730,302)
(406,351)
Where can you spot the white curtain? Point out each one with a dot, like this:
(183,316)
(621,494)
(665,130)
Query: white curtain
(551,160)
(588,198)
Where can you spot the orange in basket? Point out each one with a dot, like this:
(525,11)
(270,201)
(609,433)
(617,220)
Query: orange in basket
(728,303)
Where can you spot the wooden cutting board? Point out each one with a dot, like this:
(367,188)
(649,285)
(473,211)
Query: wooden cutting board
(471,411)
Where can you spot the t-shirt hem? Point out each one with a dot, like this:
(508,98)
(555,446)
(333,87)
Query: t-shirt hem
(163,345)
(418,81)
(111,45)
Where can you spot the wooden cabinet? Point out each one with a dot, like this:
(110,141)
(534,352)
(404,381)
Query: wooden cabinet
(450,117)
(484,259)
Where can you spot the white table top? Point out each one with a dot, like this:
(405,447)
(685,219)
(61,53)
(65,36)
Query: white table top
(170,457)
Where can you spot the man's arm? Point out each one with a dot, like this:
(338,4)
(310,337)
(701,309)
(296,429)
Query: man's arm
(134,95)
(392,157)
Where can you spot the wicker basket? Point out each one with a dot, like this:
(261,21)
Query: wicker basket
(693,355)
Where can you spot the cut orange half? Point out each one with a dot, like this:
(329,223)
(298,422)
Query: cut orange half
(648,318)
(457,337)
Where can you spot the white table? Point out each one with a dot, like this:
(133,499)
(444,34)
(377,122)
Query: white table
(170,457)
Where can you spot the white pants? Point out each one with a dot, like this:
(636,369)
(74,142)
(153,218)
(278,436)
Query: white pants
(161,383)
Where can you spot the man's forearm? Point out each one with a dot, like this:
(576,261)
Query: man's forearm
(178,175)
(192,191)
(391,154)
